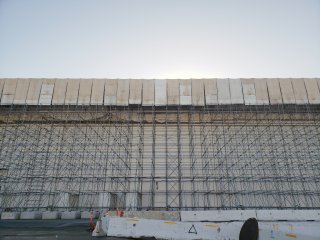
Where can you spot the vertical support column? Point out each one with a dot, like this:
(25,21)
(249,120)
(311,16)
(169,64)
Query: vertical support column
(192,158)
(153,160)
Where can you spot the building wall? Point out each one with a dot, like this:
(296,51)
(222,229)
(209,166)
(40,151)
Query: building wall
(166,158)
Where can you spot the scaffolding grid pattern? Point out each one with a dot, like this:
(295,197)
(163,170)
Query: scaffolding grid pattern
(221,157)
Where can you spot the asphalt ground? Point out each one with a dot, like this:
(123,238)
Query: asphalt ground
(47,229)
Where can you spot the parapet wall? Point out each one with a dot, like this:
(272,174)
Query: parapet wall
(159,92)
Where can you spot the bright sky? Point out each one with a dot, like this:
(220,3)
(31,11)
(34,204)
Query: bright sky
(159,38)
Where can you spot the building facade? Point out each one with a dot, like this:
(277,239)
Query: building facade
(159,144)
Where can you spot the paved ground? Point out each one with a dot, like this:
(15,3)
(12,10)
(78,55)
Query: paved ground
(46,229)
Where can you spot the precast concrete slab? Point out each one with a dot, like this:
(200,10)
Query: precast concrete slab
(59,92)
(123,92)
(197,92)
(312,91)
(249,91)
(51,215)
(21,92)
(46,92)
(8,91)
(32,215)
(287,91)
(10,215)
(262,95)
(173,92)
(97,92)
(236,92)
(160,95)
(300,92)
(85,92)
(110,92)
(274,91)
(148,92)
(211,91)
(71,215)
(72,92)
(135,95)
(185,92)
(34,92)
(224,96)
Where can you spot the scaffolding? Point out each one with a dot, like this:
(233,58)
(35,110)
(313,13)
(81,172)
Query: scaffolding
(160,158)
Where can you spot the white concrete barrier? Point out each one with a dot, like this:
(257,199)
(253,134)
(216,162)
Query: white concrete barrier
(10,215)
(217,215)
(138,228)
(87,214)
(33,215)
(51,215)
(71,215)
(288,215)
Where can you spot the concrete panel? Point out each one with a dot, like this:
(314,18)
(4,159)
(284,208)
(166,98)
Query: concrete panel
(21,91)
(85,92)
(300,91)
(249,91)
(110,92)
(10,215)
(51,215)
(312,91)
(34,92)
(262,95)
(160,96)
(185,92)
(236,91)
(59,92)
(173,92)
(224,96)
(287,91)
(211,91)
(135,91)
(31,215)
(72,92)
(197,91)
(97,92)
(8,91)
(46,92)
(148,93)
(217,215)
(71,215)
(274,91)
(123,92)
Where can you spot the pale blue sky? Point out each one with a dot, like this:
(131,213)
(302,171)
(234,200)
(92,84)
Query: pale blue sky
(159,39)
